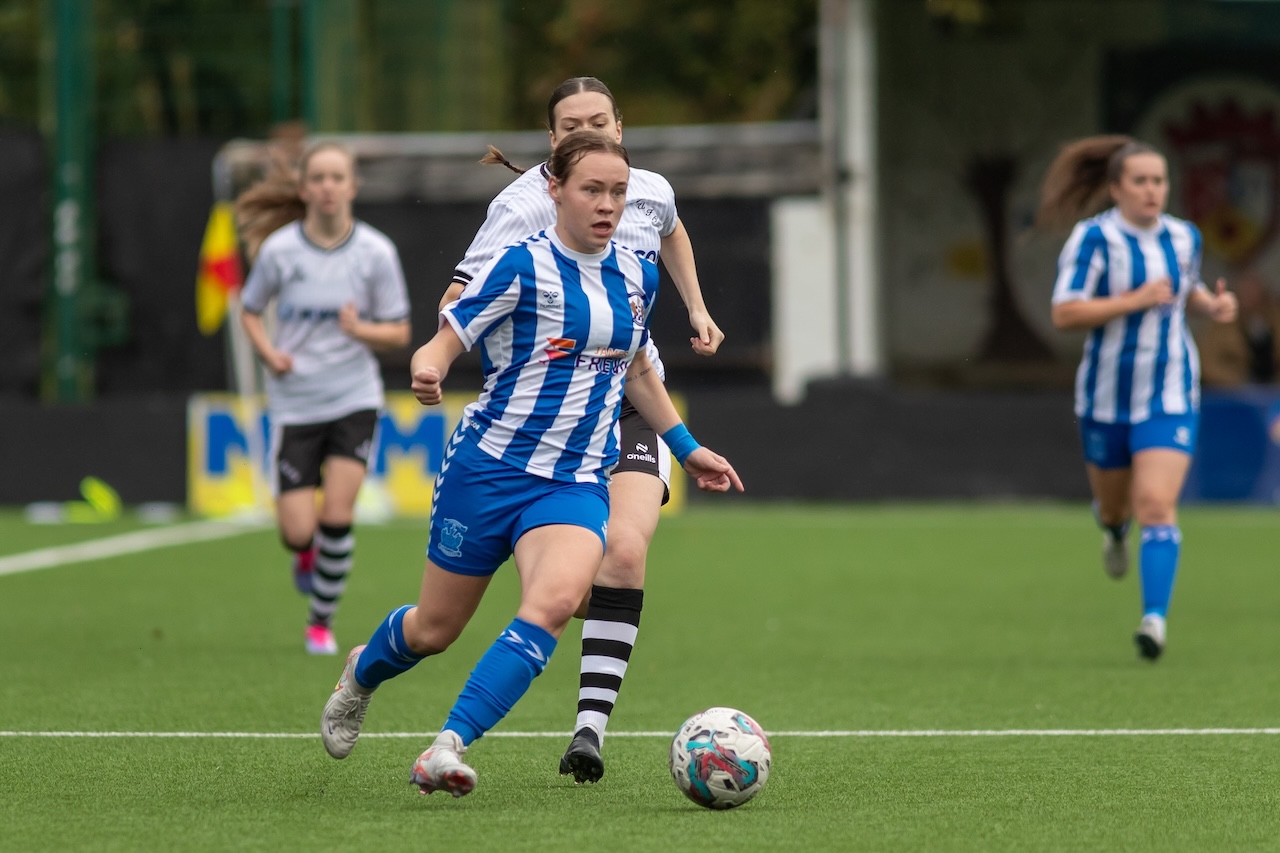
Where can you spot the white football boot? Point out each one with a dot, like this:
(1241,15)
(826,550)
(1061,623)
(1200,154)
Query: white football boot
(1115,556)
(344,712)
(440,768)
(1150,636)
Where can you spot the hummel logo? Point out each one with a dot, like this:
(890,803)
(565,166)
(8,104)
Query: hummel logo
(531,648)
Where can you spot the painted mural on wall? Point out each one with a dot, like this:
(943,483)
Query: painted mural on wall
(970,123)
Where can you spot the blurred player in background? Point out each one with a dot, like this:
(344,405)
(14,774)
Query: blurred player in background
(1129,275)
(640,482)
(562,318)
(340,294)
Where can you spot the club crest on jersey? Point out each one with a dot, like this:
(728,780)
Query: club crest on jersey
(636,301)
(558,348)
(452,532)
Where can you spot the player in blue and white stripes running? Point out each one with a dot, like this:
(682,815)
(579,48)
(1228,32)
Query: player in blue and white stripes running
(1129,275)
(640,482)
(561,318)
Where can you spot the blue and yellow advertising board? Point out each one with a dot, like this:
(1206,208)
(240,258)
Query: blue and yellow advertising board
(229,439)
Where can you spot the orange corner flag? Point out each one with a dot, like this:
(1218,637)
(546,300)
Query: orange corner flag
(220,271)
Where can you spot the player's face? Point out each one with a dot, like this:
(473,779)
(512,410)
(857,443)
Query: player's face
(584,111)
(329,185)
(590,201)
(1143,188)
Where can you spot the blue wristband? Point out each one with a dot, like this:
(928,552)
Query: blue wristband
(680,442)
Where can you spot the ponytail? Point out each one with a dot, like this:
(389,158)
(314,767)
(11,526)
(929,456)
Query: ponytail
(1078,180)
(495,157)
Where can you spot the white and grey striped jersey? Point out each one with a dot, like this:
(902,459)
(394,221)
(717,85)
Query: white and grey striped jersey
(557,330)
(333,374)
(525,207)
(1145,363)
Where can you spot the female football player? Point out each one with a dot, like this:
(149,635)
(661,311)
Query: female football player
(340,295)
(562,318)
(1129,275)
(639,485)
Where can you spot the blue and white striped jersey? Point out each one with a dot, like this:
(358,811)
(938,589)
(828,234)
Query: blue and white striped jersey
(1141,364)
(558,330)
(525,207)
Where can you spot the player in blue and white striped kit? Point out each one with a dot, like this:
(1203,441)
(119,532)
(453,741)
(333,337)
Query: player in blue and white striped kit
(562,320)
(1130,275)
(638,487)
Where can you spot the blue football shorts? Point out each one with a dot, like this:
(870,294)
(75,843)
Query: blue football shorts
(482,506)
(1113,445)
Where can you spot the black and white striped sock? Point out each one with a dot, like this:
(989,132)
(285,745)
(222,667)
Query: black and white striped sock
(608,635)
(334,547)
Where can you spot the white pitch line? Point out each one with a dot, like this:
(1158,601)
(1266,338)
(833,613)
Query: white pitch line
(855,733)
(125,543)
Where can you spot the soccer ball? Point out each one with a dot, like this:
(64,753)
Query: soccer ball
(720,758)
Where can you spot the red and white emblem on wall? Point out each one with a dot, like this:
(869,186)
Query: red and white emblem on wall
(1223,145)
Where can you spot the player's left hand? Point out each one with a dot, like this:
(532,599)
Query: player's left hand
(1224,307)
(349,320)
(708,337)
(711,471)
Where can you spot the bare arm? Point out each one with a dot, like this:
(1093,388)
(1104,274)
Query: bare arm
(378,336)
(430,364)
(1091,313)
(1219,306)
(711,471)
(677,257)
(451,294)
(276,361)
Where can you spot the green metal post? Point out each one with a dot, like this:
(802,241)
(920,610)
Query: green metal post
(282,59)
(312,16)
(72,200)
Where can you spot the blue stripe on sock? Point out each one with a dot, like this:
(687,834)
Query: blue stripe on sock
(500,678)
(386,655)
(1159,552)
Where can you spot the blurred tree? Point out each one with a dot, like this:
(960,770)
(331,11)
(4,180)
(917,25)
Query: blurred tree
(671,61)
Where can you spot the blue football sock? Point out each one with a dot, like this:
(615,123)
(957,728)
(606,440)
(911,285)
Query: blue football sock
(386,655)
(1159,565)
(501,677)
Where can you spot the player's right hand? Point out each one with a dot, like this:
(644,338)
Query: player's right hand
(426,386)
(279,363)
(1157,291)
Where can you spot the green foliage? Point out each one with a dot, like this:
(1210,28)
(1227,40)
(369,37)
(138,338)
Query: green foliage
(671,61)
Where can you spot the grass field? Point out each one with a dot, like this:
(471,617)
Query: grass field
(925,642)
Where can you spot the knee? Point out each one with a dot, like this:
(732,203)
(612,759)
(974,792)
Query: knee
(1151,509)
(424,638)
(624,558)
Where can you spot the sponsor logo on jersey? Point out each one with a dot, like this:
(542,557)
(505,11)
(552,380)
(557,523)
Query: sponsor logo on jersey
(1182,436)
(607,366)
(558,348)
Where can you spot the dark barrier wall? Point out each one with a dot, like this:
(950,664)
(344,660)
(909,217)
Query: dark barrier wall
(24,255)
(844,442)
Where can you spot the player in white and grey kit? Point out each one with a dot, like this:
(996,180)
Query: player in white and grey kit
(639,486)
(1129,275)
(340,294)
